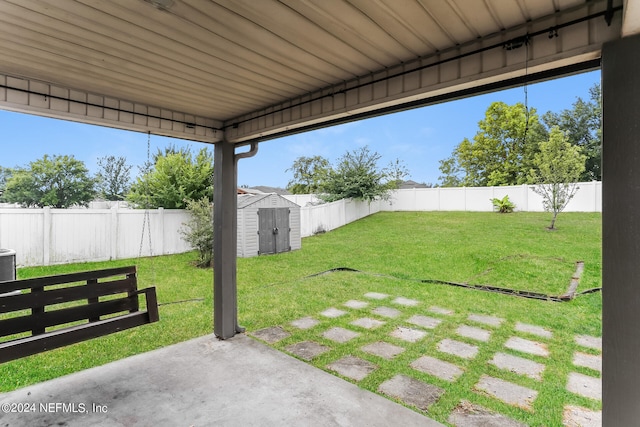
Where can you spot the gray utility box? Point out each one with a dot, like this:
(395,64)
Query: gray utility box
(8,267)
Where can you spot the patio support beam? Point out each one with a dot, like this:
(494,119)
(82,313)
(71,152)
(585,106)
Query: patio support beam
(225,237)
(621,231)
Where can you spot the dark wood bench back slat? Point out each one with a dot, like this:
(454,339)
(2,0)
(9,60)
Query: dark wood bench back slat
(91,312)
(44,308)
(14,285)
(37,344)
(63,295)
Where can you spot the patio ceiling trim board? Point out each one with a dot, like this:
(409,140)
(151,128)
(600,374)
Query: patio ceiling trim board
(484,61)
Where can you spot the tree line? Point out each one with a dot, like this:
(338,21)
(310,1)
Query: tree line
(504,149)
(170,179)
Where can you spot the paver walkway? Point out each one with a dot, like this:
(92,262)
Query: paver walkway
(517,372)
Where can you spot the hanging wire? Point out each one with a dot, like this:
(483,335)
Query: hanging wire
(525,86)
(146,221)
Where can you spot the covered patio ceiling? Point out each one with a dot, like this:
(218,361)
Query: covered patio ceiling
(232,72)
(244,69)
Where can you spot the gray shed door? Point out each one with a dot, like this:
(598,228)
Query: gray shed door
(273,229)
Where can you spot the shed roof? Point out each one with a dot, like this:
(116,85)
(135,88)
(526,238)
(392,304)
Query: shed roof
(246,200)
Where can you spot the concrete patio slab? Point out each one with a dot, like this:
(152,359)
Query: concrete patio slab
(513,394)
(527,346)
(438,368)
(585,385)
(305,323)
(575,416)
(307,350)
(518,365)
(406,301)
(486,320)
(271,335)
(376,295)
(473,333)
(590,361)
(368,323)
(340,335)
(383,349)
(424,321)
(411,391)
(408,334)
(333,312)
(389,312)
(467,414)
(457,348)
(356,304)
(352,367)
(533,330)
(589,341)
(203,382)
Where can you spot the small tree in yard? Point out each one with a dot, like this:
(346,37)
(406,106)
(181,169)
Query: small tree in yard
(559,166)
(198,231)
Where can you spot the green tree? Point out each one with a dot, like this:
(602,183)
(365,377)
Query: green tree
(57,181)
(357,176)
(582,126)
(198,231)
(395,173)
(558,167)
(113,178)
(309,174)
(501,152)
(5,174)
(174,179)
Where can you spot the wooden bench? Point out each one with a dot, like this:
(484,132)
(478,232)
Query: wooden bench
(60,310)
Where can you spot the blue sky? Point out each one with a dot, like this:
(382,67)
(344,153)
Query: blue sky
(419,137)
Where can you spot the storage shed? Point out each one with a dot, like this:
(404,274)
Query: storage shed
(267,224)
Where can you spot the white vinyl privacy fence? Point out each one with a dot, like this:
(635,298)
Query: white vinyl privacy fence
(56,236)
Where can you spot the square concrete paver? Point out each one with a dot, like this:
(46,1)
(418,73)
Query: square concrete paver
(473,333)
(368,323)
(389,312)
(486,320)
(383,349)
(333,312)
(440,310)
(271,335)
(533,330)
(307,350)
(467,414)
(408,334)
(406,302)
(527,346)
(424,321)
(352,367)
(305,323)
(589,341)
(457,348)
(438,368)
(513,394)
(518,365)
(585,385)
(575,416)
(356,304)
(376,295)
(340,335)
(588,361)
(411,391)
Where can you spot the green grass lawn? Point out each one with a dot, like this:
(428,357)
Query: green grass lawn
(391,249)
